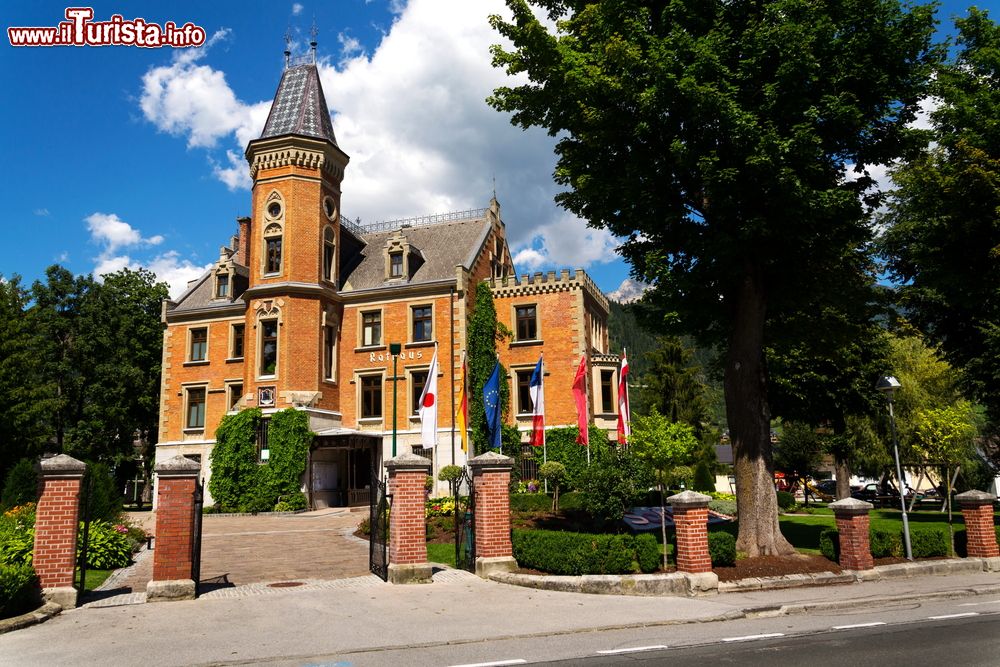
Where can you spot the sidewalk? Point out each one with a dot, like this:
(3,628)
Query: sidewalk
(363,613)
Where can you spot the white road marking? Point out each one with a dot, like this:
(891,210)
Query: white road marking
(747,638)
(976,604)
(941,618)
(498,663)
(858,625)
(633,650)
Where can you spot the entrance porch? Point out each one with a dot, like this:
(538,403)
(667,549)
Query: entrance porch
(339,468)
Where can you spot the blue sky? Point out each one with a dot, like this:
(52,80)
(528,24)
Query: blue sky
(122,156)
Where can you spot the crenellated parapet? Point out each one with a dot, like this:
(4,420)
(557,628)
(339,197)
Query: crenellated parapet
(550,283)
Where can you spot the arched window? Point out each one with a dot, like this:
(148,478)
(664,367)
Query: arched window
(329,256)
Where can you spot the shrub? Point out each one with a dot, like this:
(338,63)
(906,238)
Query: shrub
(21,485)
(704,480)
(615,482)
(450,474)
(562,447)
(929,542)
(578,553)
(722,548)
(554,472)
(647,552)
(17,535)
(443,506)
(19,590)
(829,544)
(291,502)
(727,507)
(786,500)
(885,543)
(108,545)
(531,502)
(234,459)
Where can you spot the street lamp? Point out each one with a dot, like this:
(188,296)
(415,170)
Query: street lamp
(888,386)
(394,350)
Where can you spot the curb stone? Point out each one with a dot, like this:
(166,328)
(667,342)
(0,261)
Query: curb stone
(40,615)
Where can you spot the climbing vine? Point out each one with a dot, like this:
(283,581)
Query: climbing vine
(485,331)
(239,483)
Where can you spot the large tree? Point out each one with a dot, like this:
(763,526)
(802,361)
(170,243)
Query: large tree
(715,136)
(943,241)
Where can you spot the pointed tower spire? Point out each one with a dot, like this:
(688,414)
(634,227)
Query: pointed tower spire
(288,46)
(312,42)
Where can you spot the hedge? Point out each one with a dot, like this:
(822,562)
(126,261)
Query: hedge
(19,590)
(579,553)
(925,542)
(722,548)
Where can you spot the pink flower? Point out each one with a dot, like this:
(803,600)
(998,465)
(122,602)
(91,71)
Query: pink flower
(120,528)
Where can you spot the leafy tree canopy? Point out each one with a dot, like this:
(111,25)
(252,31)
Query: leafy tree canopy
(715,137)
(943,237)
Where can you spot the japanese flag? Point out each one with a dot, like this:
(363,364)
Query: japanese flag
(429,406)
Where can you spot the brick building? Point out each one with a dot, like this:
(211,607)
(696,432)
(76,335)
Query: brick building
(302,304)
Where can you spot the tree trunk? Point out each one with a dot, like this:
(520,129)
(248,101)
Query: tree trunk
(843,469)
(749,418)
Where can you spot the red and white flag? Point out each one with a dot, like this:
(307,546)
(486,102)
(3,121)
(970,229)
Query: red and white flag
(429,405)
(537,391)
(624,414)
(580,398)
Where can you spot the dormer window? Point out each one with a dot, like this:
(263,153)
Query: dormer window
(402,260)
(396,265)
(222,285)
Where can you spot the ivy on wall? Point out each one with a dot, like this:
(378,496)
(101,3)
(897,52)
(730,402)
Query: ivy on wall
(239,483)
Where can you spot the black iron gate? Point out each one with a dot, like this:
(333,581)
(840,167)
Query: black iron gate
(378,522)
(199,502)
(83,538)
(465,523)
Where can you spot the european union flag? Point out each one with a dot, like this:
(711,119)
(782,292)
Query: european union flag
(491,401)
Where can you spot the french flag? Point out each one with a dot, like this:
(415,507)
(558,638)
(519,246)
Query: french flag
(537,391)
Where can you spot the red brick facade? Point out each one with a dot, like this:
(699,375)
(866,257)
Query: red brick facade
(853,527)
(407,525)
(977,510)
(57,520)
(690,511)
(174,525)
(296,198)
(491,484)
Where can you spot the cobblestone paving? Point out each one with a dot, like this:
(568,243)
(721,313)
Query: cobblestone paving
(242,555)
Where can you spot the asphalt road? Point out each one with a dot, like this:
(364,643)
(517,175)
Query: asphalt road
(959,632)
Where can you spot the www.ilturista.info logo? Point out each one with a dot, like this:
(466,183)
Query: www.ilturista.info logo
(80,30)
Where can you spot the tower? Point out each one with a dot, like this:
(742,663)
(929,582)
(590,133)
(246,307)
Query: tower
(293,308)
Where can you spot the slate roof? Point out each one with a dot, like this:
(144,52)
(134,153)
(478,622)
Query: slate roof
(299,106)
(199,294)
(443,246)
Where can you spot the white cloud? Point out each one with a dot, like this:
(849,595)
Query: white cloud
(411,113)
(114,233)
(42,212)
(296,8)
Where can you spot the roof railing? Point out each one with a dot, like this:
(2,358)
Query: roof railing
(357,228)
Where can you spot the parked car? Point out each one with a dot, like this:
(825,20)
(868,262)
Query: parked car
(877,494)
(827,486)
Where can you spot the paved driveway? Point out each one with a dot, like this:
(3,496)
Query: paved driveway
(239,550)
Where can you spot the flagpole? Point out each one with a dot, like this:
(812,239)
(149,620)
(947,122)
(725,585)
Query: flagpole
(628,403)
(586,394)
(451,376)
(545,444)
(500,408)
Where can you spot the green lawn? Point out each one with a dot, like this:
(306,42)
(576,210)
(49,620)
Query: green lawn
(441,553)
(95,577)
(803,531)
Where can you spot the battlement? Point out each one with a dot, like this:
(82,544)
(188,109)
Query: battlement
(543,283)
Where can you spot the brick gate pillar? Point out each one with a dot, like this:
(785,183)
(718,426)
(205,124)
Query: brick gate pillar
(173,567)
(691,526)
(491,484)
(56,520)
(853,525)
(407,521)
(977,510)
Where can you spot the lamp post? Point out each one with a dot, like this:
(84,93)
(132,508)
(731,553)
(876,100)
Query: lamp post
(394,350)
(888,386)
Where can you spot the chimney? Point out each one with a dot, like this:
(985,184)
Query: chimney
(243,246)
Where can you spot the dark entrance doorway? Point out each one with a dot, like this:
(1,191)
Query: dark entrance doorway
(340,465)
